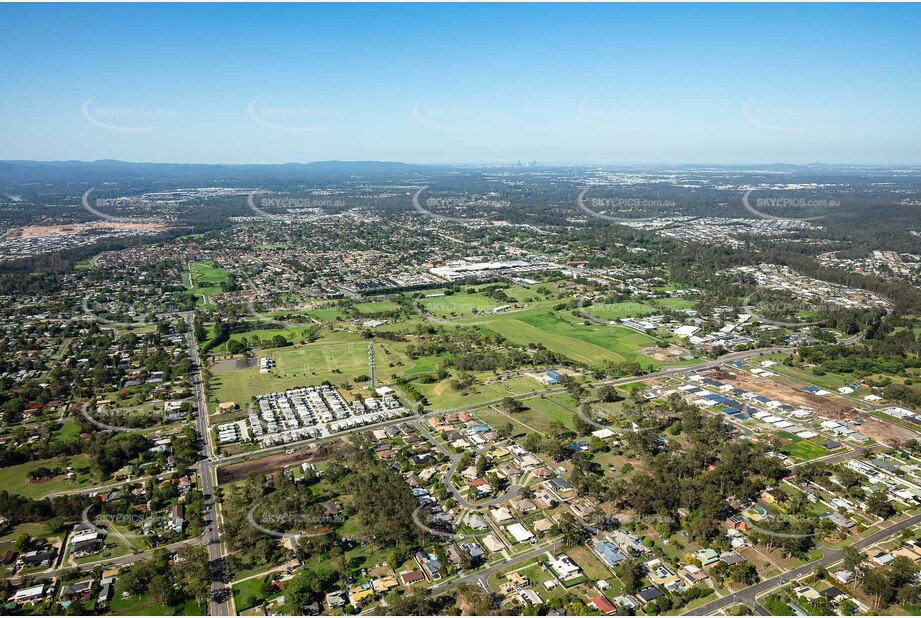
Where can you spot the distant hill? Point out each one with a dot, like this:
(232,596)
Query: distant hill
(21,172)
(88,173)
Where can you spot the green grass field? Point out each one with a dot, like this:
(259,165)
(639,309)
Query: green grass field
(591,344)
(829,381)
(442,397)
(541,413)
(34,530)
(458,304)
(146,605)
(376,307)
(337,357)
(593,568)
(326,314)
(291,333)
(799,449)
(206,279)
(674,303)
(16,477)
(246,592)
(466,304)
(617,311)
(68,430)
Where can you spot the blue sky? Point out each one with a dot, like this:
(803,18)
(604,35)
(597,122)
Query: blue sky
(473,83)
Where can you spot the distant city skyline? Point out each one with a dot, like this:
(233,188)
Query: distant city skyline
(463,84)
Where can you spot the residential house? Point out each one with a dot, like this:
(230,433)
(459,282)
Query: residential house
(31,595)
(176,520)
(609,553)
(649,593)
(412,577)
(603,605)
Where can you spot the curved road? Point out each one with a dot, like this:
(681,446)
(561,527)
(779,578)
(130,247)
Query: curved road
(455,458)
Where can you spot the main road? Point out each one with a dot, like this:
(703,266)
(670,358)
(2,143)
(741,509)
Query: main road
(220,593)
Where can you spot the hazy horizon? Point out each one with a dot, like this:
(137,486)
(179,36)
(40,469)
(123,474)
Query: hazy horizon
(739,84)
(522,163)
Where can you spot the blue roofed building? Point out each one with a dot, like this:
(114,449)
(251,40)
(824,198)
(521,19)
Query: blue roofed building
(609,553)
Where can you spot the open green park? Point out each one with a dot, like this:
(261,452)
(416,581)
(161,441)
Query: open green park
(590,344)
(18,476)
(632,309)
(206,279)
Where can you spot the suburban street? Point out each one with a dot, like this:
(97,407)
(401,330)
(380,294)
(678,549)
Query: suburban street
(108,562)
(455,458)
(482,574)
(749,595)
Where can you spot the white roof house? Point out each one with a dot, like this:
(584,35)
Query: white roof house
(520,533)
(24,595)
(564,566)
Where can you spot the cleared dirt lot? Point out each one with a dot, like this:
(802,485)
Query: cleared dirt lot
(45,231)
(235,364)
(266,465)
(668,355)
(825,407)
